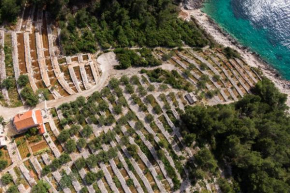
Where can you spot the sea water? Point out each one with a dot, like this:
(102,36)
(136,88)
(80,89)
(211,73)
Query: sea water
(261,25)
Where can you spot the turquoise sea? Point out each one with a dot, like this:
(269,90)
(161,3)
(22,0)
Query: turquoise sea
(253,28)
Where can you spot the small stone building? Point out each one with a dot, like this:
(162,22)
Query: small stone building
(190,98)
(24,121)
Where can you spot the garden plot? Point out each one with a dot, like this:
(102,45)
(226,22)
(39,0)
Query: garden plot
(243,73)
(13,94)
(79,77)
(118,179)
(22,146)
(90,74)
(239,81)
(74,59)
(229,89)
(125,175)
(53,137)
(209,76)
(85,57)
(62,61)
(45,36)
(57,81)
(155,164)
(40,49)
(26,16)
(20,178)
(32,172)
(249,70)
(4,155)
(229,76)
(144,175)
(21,53)
(207,87)
(39,147)
(5,98)
(36,58)
(33,53)
(65,69)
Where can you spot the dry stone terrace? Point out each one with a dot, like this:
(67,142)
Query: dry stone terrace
(33,52)
(115,132)
(209,70)
(2,63)
(110,130)
(130,132)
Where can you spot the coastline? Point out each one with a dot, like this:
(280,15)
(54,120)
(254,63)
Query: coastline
(225,39)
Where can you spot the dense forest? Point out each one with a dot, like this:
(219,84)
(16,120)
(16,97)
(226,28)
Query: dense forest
(114,23)
(10,9)
(250,138)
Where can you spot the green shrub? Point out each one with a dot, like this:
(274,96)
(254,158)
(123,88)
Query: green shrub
(22,80)
(8,83)
(30,98)
(70,146)
(6,179)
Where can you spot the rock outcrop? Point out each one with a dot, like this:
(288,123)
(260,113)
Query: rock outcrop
(192,4)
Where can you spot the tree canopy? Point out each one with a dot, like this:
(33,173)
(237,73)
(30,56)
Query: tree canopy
(252,136)
(23,80)
(114,23)
(3,164)
(9,10)
(6,179)
(41,186)
(117,23)
(28,95)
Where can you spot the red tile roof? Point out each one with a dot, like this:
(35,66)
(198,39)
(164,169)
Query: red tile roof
(38,116)
(41,129)
(39,119)
(24,120)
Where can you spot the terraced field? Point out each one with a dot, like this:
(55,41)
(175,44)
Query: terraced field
(126,135)
(31,52)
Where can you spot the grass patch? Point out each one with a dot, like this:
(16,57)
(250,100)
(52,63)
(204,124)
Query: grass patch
(22,146)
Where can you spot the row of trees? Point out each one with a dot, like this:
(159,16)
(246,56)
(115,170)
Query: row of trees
(104,138)
(56,164)
(251,137)
(74,113)
(91,177)
(93,160)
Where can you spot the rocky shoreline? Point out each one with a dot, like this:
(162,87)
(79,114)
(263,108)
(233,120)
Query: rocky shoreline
(246,49)
(251,58)
(192,4)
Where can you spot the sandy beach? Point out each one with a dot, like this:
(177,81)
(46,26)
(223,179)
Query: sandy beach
(221,37)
